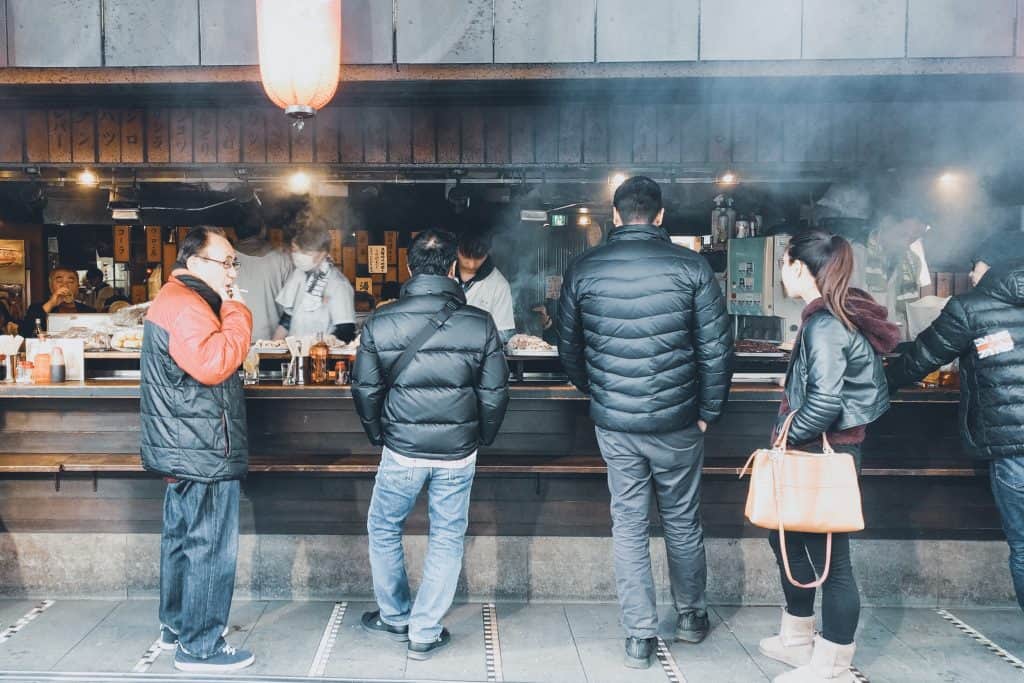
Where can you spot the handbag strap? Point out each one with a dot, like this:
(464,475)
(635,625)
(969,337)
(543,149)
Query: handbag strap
(434,323)
(782,439)
(777,483)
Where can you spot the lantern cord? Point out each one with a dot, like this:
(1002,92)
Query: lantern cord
(232,200)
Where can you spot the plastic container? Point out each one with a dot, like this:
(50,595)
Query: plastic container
(58,370)
(41,371)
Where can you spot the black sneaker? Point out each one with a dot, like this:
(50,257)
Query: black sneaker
(639,652)
(226,658)
(693,626)
(422,651)
(374,624)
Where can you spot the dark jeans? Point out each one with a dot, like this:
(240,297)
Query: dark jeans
(643,468)
(1008,488)
(840,600)
(198,552)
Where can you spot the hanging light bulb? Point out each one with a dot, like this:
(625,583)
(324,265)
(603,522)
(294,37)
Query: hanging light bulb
(88,178)
(300,53)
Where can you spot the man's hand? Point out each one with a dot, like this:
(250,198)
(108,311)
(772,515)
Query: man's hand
(60,296)
(702,426)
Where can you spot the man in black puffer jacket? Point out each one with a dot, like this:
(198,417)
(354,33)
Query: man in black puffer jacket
(430,385)
(642,328)
(984,329)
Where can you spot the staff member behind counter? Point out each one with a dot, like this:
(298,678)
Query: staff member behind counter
(263,273)
(316,298)
(63,290)
(484,285)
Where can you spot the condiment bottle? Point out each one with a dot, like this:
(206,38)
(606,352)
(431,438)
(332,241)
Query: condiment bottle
(24,375)
(41,371)
(58,371)
(318,354)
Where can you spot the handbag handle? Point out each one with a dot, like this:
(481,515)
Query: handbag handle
(783,437)
(776,482)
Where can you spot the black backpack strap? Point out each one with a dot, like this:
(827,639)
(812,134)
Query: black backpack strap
(434,323)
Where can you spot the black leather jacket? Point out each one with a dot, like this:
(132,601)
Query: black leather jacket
(835,380)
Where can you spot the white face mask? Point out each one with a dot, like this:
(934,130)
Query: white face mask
(303,262)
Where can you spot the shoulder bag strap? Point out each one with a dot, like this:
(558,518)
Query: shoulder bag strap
(434,323)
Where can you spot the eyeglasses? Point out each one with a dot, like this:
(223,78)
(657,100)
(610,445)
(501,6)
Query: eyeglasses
(228,265)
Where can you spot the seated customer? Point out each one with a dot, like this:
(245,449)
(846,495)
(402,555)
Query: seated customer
(63,293)
(97,293)
(316,298)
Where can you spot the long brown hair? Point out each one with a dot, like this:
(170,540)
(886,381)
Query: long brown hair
(830,260)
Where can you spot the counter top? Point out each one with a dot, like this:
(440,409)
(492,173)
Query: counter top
(129,389)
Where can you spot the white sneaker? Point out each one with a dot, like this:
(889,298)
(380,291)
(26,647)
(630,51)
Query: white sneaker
(794,643)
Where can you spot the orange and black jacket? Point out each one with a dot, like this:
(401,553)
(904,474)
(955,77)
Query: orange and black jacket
(192,402)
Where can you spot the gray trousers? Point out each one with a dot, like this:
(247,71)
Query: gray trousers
(666,468)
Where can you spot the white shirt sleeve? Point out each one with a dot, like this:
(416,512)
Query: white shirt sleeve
(342,301)
(501,306)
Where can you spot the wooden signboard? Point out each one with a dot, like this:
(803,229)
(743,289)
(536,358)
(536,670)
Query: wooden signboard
(391,242)
(378,255)
(364,284)
(348,263)
(123,244)
(392,275)
(139,294)
(362,243)
(378,278)
(336,250)
(403,265)
(154,244)
(170,255)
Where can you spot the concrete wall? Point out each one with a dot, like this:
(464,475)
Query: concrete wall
(329,567)
(76,33)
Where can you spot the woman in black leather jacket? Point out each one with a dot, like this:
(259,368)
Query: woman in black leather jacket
(836,386)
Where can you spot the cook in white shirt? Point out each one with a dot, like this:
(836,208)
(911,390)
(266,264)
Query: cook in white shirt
(316,298)
(484,285)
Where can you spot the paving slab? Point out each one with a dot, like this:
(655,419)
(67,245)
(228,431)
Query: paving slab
(286,636)
(950,654)
(358,654)
(47,639)
(1004,627)
(721,657)
(463,659)
(117,642)
(537,644)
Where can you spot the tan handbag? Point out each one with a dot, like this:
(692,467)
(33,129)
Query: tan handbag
(798,491)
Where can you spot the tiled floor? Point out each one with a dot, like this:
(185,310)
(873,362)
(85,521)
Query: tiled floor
(550,643)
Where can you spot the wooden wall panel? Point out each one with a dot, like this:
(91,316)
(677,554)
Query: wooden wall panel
(795,133)
(83,136)
(181,136)
(158,141)
(694,125)
(424,136)
(108,135)
(520,135)
(254,137)
(375,135)
(449,136)
(869,124)
(12,136)
(546,135)
(770,134)
(278,137)
(399,121)
(37,136)
(59,136)
(302,143)
(132,136)
(819,133)
(595,134)
(670,143)
(326,148)
(496,150)
(744,133)
(350,129)
(472,135)
(645,135)
(620,134)
(229,136)
(570,134)
(719,133)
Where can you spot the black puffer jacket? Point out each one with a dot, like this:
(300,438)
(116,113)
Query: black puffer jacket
(642,327)
(452,396)
(991,388)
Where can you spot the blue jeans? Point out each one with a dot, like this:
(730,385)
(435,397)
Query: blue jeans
(1008,488)
(198,553)
(394,495)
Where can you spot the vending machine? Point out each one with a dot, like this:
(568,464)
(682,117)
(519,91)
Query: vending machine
(754,290)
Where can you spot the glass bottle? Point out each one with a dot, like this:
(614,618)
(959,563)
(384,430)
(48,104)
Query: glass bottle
(318,354)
